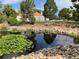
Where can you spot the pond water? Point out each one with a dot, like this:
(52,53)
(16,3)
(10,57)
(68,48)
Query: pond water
(58,40)
(63,40)
(40,42)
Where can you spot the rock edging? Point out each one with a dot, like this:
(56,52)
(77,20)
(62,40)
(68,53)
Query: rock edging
(58,52)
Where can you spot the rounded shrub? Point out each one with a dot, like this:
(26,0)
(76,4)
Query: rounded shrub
(14,44)
(13,21)
(2,18)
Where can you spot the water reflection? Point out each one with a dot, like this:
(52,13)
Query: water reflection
(63,40)
(40,42)
(59,40)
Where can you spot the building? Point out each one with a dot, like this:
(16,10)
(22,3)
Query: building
(39,17)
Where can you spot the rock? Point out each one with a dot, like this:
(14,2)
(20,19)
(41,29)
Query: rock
(58,52)
(21,57)
(58,57)
(13,58)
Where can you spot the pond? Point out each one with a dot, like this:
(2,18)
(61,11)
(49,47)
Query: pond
(58,40)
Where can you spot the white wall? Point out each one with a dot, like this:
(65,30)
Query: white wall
(40,18)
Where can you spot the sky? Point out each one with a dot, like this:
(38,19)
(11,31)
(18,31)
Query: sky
(38,3)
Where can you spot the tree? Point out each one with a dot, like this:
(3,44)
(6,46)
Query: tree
(50,9)
(65,13)
(76,10)
(37,10)
(24,10)
(27,8)
(8,11)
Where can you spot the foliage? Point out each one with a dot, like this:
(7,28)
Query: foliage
(14,32)
(76,5)
(27,9)
(37,10)
(65,13)
(8,11)
(32,19)
(75,16)
(13,21)
(24,10)
(50,9)
(2,18)
(14,43)
(76,11)
(1,13)
(75,36)
(26,6)
(76,40)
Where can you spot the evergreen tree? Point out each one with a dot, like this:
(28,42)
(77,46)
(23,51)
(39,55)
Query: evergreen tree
(8,11)
(27,8)
(65,13)
(50,9)
(76,11)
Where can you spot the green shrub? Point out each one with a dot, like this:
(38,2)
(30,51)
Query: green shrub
(14,43)
(76,40)
(32,19)
(13,21)
(14,32)
(2,18)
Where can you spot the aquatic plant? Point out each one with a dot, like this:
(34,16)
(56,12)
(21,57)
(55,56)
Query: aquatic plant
(14,43)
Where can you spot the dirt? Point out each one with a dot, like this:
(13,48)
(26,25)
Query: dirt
(62,28)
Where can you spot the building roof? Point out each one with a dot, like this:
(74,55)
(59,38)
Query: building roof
(37,14)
